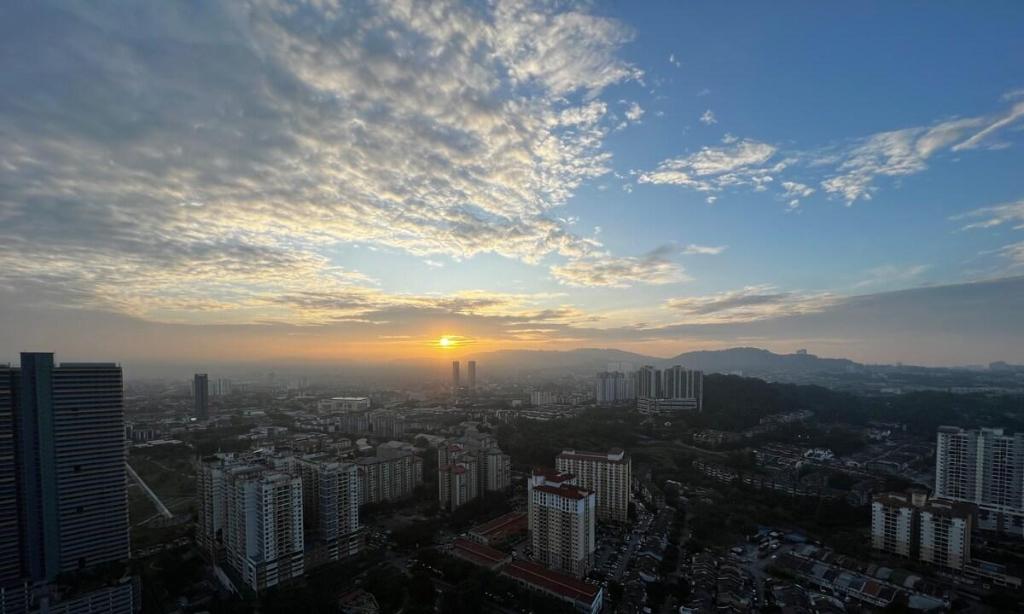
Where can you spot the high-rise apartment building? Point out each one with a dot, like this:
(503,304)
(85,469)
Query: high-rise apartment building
(933,531)
(543,397)
(984,467)
(458,478)
(270,517)
(611,387)
(63,496)
(674,389)
(562,519)
(456,383)
(497,470)
(471,376)
(387,423)
(607,475)
(264,526)
(334,532)
(201,395)
(388,478)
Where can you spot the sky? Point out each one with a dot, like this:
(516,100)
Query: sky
(242,180)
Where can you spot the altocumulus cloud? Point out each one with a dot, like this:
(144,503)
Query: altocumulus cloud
(203,158)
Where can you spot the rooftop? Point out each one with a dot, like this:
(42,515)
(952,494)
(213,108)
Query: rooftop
(501,523)
(478,553)
(552,581)
(615,455)
(565,490)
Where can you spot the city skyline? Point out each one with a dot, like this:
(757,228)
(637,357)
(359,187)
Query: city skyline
(237,182)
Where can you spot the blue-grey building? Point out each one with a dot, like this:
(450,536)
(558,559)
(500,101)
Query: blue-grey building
(63,497)
(201,394)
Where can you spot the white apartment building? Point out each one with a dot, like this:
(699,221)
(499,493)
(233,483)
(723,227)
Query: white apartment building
(945,535)
(607,474)
(268,517)
(933,531)
(984,467)
(892,524)
(562,517)
(264,542)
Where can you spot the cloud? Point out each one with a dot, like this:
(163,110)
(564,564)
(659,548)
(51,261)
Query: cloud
(714,168)
(706,250)
(794,189)
(673,60)
(1014,252)
(748,304)
(622,272)
(892,274)
(195,161)
(634,112)
(793,192)
(708,118)
(906,152)
(996,215)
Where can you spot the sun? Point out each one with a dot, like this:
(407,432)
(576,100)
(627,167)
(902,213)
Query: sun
(446,342)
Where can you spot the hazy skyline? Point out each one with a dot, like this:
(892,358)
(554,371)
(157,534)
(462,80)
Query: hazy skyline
(262,181)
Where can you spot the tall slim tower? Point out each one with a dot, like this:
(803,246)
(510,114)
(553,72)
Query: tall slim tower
(472,376)
(455,376)
(69,456)
(201,393)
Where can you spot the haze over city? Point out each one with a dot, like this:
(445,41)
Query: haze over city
(511,307)
(239,182)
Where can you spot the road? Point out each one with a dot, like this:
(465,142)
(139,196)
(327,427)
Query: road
(166,513)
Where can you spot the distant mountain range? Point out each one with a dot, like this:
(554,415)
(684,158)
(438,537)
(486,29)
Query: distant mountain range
(591,360)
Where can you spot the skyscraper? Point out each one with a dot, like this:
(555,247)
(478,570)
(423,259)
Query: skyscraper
(455,376)
(472,376)
(63,499)
(201,394)
(984,467)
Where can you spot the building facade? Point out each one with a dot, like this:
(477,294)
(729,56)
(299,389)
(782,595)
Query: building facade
(264,526)
(612,387)
(201,395)
(671,390)
(608,475)
(984,467)
(562,519)
(271,517)
(913,526)
(458,478)
(388,478)
(63,494)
